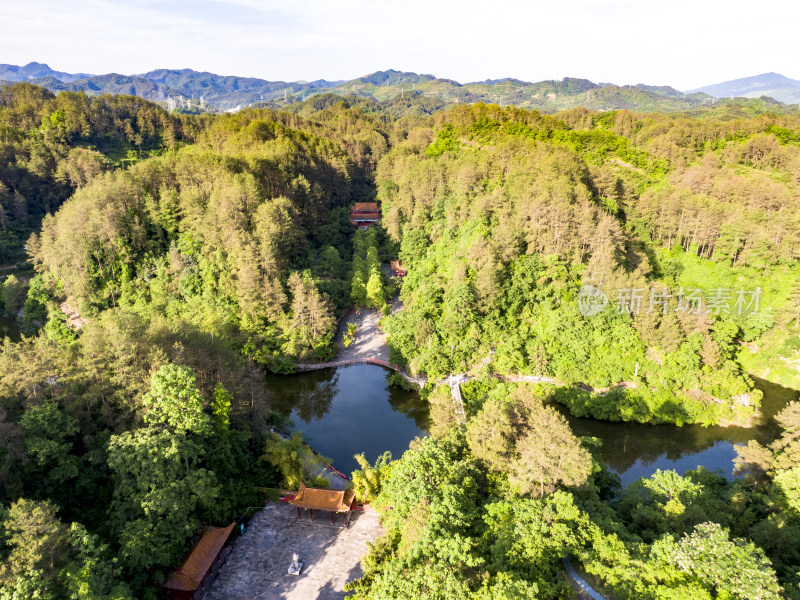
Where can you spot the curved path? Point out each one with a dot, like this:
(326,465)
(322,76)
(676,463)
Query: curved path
(369,346)
(369,361)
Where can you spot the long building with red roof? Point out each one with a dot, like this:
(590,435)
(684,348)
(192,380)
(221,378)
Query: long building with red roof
(197,572)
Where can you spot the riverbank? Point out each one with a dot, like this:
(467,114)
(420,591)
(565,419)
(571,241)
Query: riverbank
(584,401)
(350,410)
(369,345)
(772,366)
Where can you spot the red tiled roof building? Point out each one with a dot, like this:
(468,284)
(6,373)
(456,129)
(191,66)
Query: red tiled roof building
(364,214)
(197,572)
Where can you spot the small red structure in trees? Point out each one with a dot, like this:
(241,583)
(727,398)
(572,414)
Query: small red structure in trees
(398,269)
(365,214)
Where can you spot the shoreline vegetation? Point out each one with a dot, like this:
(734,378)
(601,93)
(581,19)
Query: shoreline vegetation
(578,398)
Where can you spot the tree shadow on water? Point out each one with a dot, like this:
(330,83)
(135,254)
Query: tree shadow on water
(410,404)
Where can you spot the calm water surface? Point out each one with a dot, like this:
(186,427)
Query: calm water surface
(351,409)
(634,450)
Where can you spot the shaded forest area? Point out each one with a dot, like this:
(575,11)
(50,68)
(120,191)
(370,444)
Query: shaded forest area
(202,251)
(197,260)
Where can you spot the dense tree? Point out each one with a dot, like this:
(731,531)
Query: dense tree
(367,480)
(666,536)
(48,442)
(492,434)
(729,567)
(174,401)
(38,542)
(296,461)
(549,454)
(530,441)
(500,239)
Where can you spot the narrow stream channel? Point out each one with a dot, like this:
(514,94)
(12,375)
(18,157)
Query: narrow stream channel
(348,410)
(633,450)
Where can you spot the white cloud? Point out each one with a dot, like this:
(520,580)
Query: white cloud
(682,43)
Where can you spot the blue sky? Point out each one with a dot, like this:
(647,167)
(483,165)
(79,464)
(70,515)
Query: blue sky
(683,43)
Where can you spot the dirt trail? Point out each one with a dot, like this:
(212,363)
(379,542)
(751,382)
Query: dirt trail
(370,341)
(369,345)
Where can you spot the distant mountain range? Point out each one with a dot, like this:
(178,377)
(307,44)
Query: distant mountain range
(36,70)
(548,96)
(774,85)
(193,89)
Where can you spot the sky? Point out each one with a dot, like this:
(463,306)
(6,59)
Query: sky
(682,43)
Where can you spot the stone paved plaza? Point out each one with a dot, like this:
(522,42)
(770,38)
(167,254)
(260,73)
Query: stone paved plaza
(256,568)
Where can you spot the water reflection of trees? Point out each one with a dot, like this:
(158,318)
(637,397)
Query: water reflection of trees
(314,396)
(310,395)
(625,443)
(411,405)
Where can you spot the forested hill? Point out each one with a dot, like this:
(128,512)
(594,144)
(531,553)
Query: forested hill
(545,96)
(50,145)
(186,88)
(504,214)
(196,266)
(201,251)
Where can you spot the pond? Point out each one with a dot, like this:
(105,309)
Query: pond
(352,409)
(349,410)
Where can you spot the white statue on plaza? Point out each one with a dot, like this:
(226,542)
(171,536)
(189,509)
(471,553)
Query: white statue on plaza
(296,566)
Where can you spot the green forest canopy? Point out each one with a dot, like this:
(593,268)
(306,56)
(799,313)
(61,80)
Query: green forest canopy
(203,250)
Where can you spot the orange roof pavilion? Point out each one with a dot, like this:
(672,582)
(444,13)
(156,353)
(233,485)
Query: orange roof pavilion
(365,207)
(333,501)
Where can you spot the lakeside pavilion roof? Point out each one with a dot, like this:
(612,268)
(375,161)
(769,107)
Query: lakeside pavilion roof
(322,499)
(190,574)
